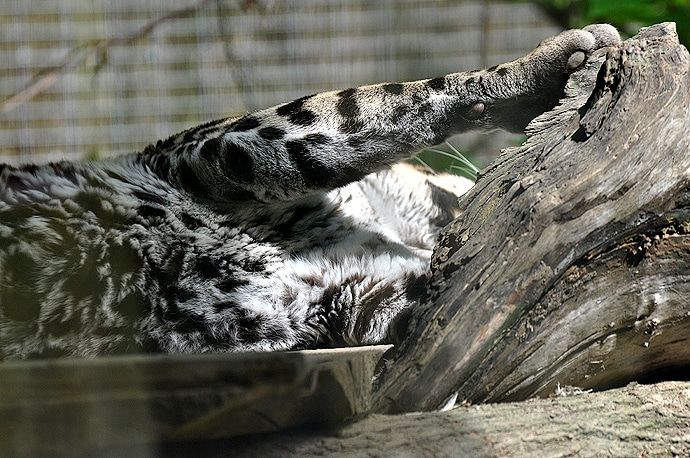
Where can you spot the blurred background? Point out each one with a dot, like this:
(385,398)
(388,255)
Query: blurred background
(95,78)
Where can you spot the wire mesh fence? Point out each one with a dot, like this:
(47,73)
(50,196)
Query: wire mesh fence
(102,77)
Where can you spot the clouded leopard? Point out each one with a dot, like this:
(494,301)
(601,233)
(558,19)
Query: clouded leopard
(288,228)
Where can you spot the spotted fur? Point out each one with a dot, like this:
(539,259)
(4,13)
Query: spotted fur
(282,229)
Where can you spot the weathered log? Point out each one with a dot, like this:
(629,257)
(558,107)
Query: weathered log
(638,420)
(569,263)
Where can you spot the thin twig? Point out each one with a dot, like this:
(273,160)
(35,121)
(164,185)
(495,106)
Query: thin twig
(47,76)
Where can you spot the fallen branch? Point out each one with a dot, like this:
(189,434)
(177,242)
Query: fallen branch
(569,262)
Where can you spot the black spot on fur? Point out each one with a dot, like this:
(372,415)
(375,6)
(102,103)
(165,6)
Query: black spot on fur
(206,268)
(239,163)
(167,276)
(347,105)
(296,112)
(150,212)
(225,305)
(189,180)
(291,222)
(190,221)
(291,107)
(245,123)
(297,149)
(192,135)
(211,147)
(271,133)
(332,318)
(253,265)
(131,307)
(100,208)
(125,259)
(63,324)
(29,168)
(313,171)
(370,306)
(161,166)
(399,113)
(164,144)
(14,182)
(20,213)
(393,88)
(415,287)
(503,71)
(437,84)
(303,118)
(348,175)
(184,322)
(180,295)
(19,299)
(424,108)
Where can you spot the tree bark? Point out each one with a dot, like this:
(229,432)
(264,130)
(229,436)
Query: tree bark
(569,262)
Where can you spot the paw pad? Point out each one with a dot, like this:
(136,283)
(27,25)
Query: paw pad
(575,60)
(476,110)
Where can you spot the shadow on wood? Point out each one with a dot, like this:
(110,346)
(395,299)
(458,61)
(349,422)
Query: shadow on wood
(569,262)
(72,407)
